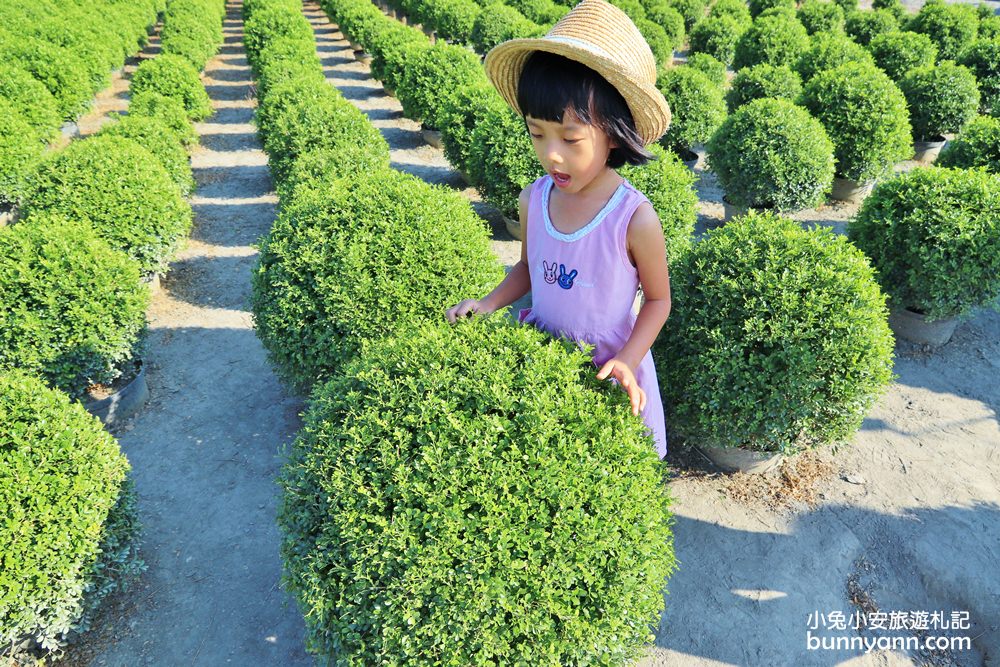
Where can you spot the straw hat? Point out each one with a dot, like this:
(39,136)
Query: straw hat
(603,38)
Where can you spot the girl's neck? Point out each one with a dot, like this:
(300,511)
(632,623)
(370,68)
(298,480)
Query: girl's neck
(600,189)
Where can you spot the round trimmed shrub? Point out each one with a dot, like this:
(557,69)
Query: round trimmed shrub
(660,42)
(864,26)
(540,11)
(780,341)
(31,99)
(431,75)
(736,9)
(359,258)
(757,7)
(772,153)
(933,235)
(471,515)
(287,59)
(989,27)
(168,110)
(849,6)
(669,186)
(173,76)
(942,98)
(156,137)
(389,58)
(894,6)
(692,10)
(698,107)
(498,23)
(271,23)
(866,117)
(461,114)
(709,66)
(196,40)
(896,53)
(20,149)
(821,16)
(662,14)
(780,11)
(717,36)
(122,190)
(829,50)
(773,39)
(983,58)
(951,27)
(453,19)
(60,70)
(75,308)
(502,160)
(763,80)
(632,8)
(70,530)
(977,145)
(322,163)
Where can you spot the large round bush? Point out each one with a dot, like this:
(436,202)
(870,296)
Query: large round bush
(899,52)
(828,51)
(942,98)
(357,258)
(772,153)
(461,114)
(669,186)
(951,27)
(864,26)
(758,7)
(122,190)
(157,137)
(498,23)
(775,40)
(21,147)
(31,99)
(977,145)
(69,530)
(763,80)
(271,23)
(502,160)
(169,110)
(286,58)
(62,72)
(75,309)
(821,16)
(697,104)
(444,505)
(983,58)
(778,340)
(734,8)
(692,10)
(431,75)
(717,36)
(866,117)
(710,66)
(933,234)
(173,76)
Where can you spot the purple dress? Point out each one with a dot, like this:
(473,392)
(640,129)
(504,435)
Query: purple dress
(583,286)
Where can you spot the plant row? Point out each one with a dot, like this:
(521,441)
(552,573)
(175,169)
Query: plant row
(418,526)
(96,216)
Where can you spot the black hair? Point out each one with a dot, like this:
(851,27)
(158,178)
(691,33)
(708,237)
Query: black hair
(550,83)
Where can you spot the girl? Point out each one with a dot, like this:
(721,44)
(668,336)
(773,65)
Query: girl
(589,101)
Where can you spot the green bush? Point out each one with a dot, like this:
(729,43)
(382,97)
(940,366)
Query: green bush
(697,106)
(849,6)
(821,16)
(952,27)
(829,50)
(359,22)
(669,186)
(779,340)
(358,258)
(31,99)
(540,11)
(989,28)
(433,74)
(464,513)
(662,14)
(866,117)
(692,10)
(173,76)
(717,36)
(322,163)
(772,153)
(942,98)
(983,58)
(70,530)
(736,9)
(156,137)
(120,188)
(62,72)
(864,26)
(502,160)
(461,114)
(192,32)
(20,149)
(763,80)
(285,59)
(168,110)
(709,66)
(74,308)
(759,6)
(774,40)
(660,42)
(977,145)
(899,52)
(389,58)
(933,235)
(632,8)
(270,23)
(453,19)
(498,23)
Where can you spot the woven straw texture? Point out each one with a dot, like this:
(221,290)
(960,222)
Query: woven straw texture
(603,38)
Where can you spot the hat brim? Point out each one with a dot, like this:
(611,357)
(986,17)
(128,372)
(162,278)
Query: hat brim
(649,108)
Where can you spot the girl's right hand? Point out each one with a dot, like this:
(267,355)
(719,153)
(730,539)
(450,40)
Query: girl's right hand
(466,308)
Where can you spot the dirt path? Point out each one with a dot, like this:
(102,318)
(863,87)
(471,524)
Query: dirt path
(205,451)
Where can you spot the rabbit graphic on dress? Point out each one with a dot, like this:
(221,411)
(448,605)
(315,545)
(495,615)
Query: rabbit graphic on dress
(550,272)
(566,279)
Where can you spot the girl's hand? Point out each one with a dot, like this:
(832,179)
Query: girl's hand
(620,371)
(468,307)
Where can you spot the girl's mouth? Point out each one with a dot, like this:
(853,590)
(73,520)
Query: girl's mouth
(562,180)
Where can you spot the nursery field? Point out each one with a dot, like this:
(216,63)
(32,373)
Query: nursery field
(904,517)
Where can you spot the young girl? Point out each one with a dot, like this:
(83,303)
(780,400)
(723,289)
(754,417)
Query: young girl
(588,97)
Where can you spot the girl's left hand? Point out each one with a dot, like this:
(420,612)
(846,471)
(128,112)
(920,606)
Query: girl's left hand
(620,371)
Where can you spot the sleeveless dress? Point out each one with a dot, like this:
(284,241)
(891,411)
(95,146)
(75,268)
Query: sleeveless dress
(583,286)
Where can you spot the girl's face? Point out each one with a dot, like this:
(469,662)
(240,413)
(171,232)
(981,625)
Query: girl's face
(572,152)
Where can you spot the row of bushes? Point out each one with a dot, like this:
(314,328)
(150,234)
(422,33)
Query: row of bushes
(411,507)
(96,214)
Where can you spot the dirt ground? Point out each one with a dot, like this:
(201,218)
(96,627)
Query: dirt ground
(903,518)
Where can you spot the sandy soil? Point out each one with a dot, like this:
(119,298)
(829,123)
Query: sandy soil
(904,517)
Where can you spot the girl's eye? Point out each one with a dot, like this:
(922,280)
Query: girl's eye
(535,136)
(571,141)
